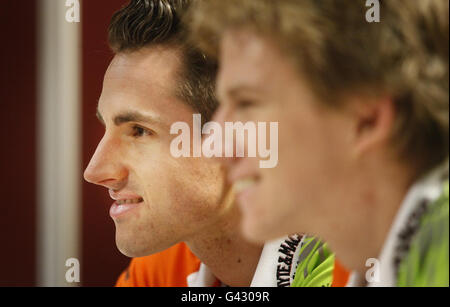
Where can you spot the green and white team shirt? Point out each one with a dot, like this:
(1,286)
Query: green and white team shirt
(416,252)
(293,261)
(300,261)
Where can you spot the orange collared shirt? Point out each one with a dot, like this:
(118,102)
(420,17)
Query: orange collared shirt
(169,268)
(172,267)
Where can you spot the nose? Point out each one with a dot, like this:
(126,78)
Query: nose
(223,115)
(106,167)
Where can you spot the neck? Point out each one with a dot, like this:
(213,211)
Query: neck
(372,210)
(226,253)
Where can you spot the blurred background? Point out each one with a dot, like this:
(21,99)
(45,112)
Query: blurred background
(51,78)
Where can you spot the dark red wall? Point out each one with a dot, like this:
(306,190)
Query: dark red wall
(18,145)
(101,261)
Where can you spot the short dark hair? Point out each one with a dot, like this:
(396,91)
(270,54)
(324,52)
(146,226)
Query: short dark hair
(145,23)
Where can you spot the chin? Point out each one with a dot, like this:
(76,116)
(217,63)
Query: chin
(128,252)
(256,232)
(132,246)
(127,248)
(135,251)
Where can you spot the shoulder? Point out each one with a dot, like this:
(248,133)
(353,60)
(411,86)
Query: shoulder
(168,268)
(316,264)
(427,262)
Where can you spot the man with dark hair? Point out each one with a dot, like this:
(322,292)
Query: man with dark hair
(160,200)
(156,79)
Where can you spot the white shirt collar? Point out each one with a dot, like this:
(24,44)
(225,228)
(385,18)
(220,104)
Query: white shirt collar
(278,262)
(426,190)
(274,256)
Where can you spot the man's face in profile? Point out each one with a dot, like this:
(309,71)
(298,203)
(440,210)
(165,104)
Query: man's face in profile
(158,200)
(257,83)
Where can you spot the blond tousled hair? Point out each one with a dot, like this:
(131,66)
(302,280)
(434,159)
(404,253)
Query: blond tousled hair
(339,52)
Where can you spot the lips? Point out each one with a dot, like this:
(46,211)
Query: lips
(124,203)
(244,183)
(244,176)
(246,189)
(124,196)
(117,210)
(129,201)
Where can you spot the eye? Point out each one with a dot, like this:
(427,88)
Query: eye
(244,104)
(139,131)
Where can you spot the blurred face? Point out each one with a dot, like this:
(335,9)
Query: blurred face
(257,83)
(157,200)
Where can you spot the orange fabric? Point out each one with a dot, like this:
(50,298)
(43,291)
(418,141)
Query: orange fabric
(169,268)
(340,275)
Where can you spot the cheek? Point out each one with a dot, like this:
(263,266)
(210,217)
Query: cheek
(311,140)
(278,191)
(271,213)
(195,188)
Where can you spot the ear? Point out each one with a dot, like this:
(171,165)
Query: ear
(373,123)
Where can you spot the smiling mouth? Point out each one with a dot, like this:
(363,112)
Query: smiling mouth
(129,201)
(244,184)
(121,207)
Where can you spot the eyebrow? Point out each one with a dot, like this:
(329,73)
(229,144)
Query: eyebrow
(236,91)
(131,116)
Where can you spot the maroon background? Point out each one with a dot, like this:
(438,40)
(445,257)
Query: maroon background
(18,135)
(101,261)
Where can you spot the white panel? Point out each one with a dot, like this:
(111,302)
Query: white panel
(59,146)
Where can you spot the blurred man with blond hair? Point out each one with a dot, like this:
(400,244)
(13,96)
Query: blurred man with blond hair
(362,108)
